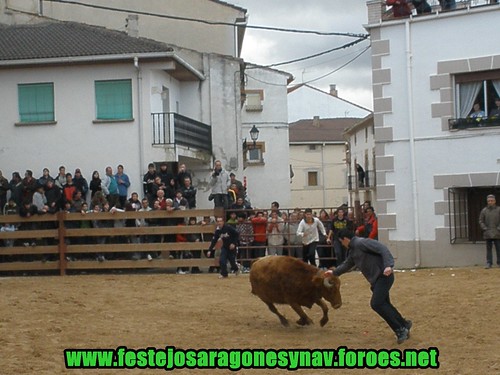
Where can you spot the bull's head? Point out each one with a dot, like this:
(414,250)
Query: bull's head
(331,290)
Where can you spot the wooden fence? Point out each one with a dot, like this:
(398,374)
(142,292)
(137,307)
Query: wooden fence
(49,242)
(62,242)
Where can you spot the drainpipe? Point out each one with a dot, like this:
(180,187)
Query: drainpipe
(409,71)
(139,115)
(323,173)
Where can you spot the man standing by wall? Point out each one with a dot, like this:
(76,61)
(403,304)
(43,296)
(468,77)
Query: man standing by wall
(489,220)
(123,182)
(220,182)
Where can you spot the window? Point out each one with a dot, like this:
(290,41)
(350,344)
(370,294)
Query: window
(36,102)
(475,95)
(254,154)
(253,100)
(113,100)
(312,178)
(465,205)
(312,147)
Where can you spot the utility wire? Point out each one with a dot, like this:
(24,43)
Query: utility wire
(347,45)
(312,80)
(337,69)
(214,23)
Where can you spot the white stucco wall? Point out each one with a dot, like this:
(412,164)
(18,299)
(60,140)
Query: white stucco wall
(415,50)
(75,141)
(271,181)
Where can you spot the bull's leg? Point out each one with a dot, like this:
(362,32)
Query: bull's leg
(324,307)
(273,309)
(304,319)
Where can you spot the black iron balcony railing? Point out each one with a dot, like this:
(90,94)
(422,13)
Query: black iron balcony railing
(356,183)
(172,128)
(473,123)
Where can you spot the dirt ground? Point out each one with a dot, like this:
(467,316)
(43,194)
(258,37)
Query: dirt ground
(455,310)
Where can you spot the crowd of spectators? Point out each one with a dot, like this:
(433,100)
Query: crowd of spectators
(262,231)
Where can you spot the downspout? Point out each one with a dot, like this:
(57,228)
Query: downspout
(323,173)
(409,71)
(139,110)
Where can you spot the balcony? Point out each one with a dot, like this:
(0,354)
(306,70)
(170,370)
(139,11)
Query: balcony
(174,129)
(354,184)
(473,123)
(378,11)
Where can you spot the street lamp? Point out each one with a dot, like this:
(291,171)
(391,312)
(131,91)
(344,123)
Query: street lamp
(254,135)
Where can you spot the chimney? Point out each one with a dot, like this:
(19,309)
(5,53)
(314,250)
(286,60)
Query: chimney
(333,90)
(132,25)
(316,122)
(375,10)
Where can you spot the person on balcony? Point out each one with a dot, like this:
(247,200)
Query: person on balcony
(447,4)
(400,8)
(495,113)
(422,6)
(477,113)
(361,175)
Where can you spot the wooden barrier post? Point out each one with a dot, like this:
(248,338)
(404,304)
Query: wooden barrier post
(61,216)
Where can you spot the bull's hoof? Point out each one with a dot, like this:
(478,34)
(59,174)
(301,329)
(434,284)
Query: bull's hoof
(323,321)
(284,322)
(304,322)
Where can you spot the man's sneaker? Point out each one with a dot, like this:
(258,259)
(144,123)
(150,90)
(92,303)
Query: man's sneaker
(408,325)
(100,258)
(402,334)
(149,257)
(488,266)
(222,277)
(181,272)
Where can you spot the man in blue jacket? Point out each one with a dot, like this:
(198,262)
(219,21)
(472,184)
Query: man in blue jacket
(230,242)
(376,263)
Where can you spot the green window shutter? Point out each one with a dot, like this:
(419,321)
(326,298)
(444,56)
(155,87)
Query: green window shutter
(113,100)
(36,102)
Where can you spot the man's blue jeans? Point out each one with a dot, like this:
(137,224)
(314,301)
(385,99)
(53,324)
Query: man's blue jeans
(382,305)
(225,255)
(489,252)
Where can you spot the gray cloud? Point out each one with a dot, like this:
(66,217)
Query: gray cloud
(267,47)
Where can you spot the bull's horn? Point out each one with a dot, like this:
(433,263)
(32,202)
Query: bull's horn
(327,283)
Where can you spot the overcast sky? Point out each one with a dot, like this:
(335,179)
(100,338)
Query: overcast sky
(268,47)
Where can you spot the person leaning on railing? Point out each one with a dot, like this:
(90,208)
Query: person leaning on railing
(400,8)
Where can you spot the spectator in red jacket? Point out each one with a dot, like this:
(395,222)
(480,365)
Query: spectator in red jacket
(259,223)
(369,229)
(400,8)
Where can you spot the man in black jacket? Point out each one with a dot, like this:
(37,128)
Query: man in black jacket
(230,242)
(376,263)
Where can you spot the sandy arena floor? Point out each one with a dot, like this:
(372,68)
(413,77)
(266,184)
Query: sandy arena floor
(455,310)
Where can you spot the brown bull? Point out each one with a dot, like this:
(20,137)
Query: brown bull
(288,280)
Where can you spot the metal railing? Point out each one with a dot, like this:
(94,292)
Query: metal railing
(473,123)
(172,128)
(354,183)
